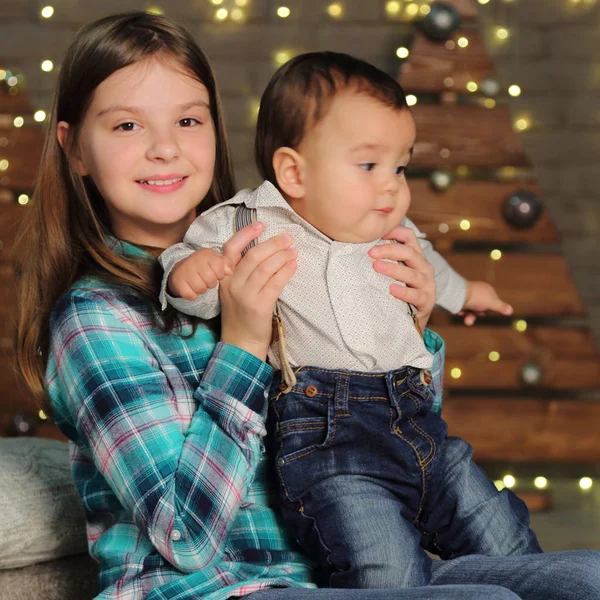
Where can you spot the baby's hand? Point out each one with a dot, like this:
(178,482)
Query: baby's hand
(481,298)
(197,273)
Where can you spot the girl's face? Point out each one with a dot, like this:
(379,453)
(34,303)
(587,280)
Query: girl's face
(148,143)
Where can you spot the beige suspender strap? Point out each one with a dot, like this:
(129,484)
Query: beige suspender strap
(245,216)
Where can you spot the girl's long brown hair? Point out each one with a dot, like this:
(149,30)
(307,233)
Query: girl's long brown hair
(63,237)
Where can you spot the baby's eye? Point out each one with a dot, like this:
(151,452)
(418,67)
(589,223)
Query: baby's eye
(367,166)
(188,122)
(400,170)
(127,127)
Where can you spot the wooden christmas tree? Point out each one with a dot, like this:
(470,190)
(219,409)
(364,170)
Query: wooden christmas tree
(517,389)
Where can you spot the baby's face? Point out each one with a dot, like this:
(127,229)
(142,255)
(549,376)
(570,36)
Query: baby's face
(355,157)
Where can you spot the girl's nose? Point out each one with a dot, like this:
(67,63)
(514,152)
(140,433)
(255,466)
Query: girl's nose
(164,147)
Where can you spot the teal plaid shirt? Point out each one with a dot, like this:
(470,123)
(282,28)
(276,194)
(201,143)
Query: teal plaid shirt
(167,451)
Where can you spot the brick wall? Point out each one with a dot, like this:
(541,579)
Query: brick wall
(554,55)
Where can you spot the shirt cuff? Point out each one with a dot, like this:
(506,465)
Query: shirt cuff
(240,375)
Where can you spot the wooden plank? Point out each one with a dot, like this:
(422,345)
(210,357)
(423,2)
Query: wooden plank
(455,135)
(568,357)
(467,9)
(14,105)
(537,501)
(536,284)
(432,66)
(481,203)
(527,430)
(23,151)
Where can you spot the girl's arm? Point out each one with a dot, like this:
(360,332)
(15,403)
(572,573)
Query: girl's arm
(115,383)
(182,485)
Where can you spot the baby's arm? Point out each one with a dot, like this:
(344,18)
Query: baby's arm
(193,267)
(454,293)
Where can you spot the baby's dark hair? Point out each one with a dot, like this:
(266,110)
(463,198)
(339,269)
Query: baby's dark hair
(300,93)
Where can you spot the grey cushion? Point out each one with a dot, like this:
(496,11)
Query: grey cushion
(74,578)
(41,517)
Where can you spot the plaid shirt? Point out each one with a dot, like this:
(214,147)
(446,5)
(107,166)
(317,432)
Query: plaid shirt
(167,451)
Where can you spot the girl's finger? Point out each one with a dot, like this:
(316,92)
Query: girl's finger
(263,272)
(273,288)
(259,253)
(405,236)
(408,254)
(399,272)
(240,239)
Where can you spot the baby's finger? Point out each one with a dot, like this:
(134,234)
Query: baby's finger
(185,291)
(220,266)
(208,276)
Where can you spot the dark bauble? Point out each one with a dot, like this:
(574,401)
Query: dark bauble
(441,22)
(532,375)
(441,180)
(22,424)
(522,209)
(489,87)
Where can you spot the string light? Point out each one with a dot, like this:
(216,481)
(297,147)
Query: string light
(2,74)
(455,373)
(509,481)
(496,254)
(4,164)
(393,8)
(412,10)
(472,86)
(155,10)
(335,10)
(402,52)
(520,325)
(19,121)
(489,103)
(502,33)
(283,12)
(483,1)
(221,14)
(42,415)
(494,356)
(463,42)
(237,15)
(465,225)
(514,91)
(47,66)
(585,483)
(12,81)
(425,9)
(47,12)
(39,116)
(411,100)
(522,124)
(462,171)
(23,199)
(540,483)
(282,56)
(217,2)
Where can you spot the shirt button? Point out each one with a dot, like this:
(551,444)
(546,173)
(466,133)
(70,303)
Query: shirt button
(175,535)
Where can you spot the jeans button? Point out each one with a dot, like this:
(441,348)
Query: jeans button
(280,462)
(311,391)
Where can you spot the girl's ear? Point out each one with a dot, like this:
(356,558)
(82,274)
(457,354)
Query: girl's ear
(289,167)
(62,134)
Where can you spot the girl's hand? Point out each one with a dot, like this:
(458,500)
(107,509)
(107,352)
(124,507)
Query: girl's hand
(248,296)
(482,298)
(411,268)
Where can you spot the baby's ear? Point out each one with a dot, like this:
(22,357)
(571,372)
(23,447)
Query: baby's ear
(288,166)
(62,134)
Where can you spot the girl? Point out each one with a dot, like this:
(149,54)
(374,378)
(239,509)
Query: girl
(166,414)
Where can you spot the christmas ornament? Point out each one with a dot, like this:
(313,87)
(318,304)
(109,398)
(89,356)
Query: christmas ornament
(441,180)
(441,22)
(531,374)
(522,209)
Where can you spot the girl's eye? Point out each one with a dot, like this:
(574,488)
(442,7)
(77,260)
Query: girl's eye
(126,127)
(188,122)
(400,170)
(367,166)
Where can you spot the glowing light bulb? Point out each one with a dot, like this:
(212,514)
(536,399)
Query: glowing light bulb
(335,10)
(502,33)
(283,12)
(465,225)
(393,8)
(472,86)
(23,199)
(463,42)
(402,52)
(221,14)
(496,254)
(47,12)
(4,164)
(411,100)
(585,483)
(18,121)
(509,481)
(456,373)
(522,124)
(514,91)
(39,116)
(47,66)
(520,325)
(494,356)
(540,483)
